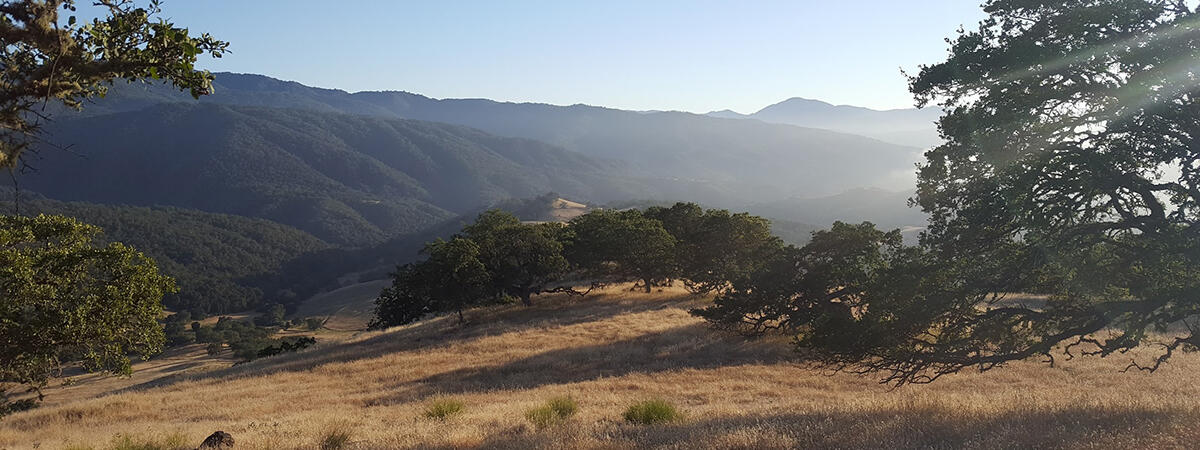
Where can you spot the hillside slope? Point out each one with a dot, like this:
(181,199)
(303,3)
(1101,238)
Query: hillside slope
(607,352)
(349,180)
(722,159)
(214,258)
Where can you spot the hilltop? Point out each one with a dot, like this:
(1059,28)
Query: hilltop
(607,351)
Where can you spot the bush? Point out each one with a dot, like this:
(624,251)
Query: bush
(15,406)
(287,345)
(443,408)
(555,411)
(335,436)
(314,323)
(214,348)
(652,412)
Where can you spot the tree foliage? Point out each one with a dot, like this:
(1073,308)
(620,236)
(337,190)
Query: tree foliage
(622,246)
(714,247)
(451,279)
(521,259)
(1069,170)
(65,298)
(45,58)
(815,289)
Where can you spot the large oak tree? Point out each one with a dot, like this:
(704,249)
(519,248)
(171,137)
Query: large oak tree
(1070,170)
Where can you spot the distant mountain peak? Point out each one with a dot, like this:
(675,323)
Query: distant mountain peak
(909,126)
(727,114)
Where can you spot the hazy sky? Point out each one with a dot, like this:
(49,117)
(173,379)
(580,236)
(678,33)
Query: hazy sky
(680,55)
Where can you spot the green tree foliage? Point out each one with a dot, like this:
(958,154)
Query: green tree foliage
(521,259)
(622,246)
(46,58)
(273,315)
(1069,170)
(247,340)
(812,291)
(715,248)
(64,298)
(450,279)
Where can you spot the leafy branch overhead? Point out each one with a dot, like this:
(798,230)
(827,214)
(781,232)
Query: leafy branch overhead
(50,56)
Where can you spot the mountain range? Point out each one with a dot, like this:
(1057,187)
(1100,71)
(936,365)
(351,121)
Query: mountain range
(911,127)
(350,182)
(710,159)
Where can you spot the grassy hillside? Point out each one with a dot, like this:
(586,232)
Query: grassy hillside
(607,352)
(344,309)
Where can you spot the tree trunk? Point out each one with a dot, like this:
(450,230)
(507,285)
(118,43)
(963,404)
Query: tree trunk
(460,317)
(647,285)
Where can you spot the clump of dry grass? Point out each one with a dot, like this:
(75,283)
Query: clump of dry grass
(123,441)
(555,411)
(652,412)
(608,351)
(444,408)
(336,436)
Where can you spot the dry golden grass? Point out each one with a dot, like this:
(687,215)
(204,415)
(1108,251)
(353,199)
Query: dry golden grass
(609,351)
(348,308)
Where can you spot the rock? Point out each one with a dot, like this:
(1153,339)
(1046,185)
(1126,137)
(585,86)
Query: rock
(218,440)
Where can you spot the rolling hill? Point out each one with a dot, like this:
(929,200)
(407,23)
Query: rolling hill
(606,351)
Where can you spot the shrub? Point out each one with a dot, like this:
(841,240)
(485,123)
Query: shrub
(443,408)
(652,412)
(287,345)
(214,348)
(14,406)
(335,436)
(554,411)
(314,323)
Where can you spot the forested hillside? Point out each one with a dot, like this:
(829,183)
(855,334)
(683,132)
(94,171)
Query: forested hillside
(349,180)
(719,160)
(218,260)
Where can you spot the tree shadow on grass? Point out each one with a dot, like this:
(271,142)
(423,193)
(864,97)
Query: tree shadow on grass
(921,428)
(550,311)
(686,347)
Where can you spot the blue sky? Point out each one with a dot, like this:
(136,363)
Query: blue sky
(669,55)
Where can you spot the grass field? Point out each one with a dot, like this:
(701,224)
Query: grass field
(345,309)
(607,352)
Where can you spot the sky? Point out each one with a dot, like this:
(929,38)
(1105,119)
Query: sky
(696,55)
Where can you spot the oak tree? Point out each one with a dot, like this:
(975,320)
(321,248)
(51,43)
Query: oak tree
(65,297)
